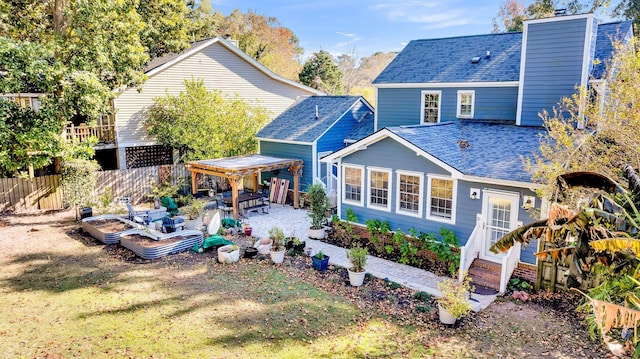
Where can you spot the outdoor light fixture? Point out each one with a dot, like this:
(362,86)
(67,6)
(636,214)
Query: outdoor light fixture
(474,193)
(528,202)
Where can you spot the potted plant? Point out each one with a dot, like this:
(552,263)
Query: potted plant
(320,261)
(263,245)
(229,253)
(277,248)
(358,258)
(294,243)
(246,228)
(318,205)
(193,211)
(454,302)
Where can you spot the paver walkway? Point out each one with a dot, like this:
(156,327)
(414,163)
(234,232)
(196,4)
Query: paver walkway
(296,222)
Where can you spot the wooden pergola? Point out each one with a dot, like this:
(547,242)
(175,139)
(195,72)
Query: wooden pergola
(238,167)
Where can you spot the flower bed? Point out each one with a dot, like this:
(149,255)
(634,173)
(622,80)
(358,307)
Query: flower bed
(107,228)
(150,246)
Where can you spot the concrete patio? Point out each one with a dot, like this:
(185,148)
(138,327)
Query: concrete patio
(297,222)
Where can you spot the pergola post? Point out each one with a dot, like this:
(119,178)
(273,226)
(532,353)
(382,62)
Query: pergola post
(194,182)
(234,194)
(295,171)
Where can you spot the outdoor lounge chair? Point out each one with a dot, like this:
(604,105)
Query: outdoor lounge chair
(136,216)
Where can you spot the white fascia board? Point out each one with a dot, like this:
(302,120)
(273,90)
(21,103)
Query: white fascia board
(375,113)
(137,143)
(523,62)
(586,58)
(284,141)
(476,179)
(448,84)
(559,18)
(385,133)
(241,54)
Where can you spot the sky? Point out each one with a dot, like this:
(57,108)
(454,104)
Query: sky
(363,27)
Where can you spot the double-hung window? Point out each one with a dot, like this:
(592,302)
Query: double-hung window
(353,184)
(409,193)
(466,102)
(441,199)
(379,189)
(430,107)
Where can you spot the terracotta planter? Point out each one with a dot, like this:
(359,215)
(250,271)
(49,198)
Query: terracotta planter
(247,231)
(356,278)
(277,257)
(445,316)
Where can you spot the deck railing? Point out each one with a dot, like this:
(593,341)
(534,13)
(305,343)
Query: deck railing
(82,132)
(509,263)
(470,250)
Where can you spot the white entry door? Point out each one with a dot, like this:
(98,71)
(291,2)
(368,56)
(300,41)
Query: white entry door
(500,216)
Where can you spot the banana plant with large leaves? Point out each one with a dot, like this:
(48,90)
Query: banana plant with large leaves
(601,237)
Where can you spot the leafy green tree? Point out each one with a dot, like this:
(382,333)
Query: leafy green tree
(78,54)
(629,9)
(590,132)
(321,72)
(79,181)
(203,124)
(512,13)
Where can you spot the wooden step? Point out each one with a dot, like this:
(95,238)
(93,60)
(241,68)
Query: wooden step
(483,263)
(485,273)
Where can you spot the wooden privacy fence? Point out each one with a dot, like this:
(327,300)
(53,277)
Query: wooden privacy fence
(135,183)
(45,193)
(28,194)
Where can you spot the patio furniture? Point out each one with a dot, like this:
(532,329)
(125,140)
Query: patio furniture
(136,216)
(172,224)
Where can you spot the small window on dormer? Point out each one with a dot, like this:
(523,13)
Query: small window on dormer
(466,102)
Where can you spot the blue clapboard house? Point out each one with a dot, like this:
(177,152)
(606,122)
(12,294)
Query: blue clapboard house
(454,119)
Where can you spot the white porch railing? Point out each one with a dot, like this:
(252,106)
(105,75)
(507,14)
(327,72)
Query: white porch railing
(470,250)
(509,263)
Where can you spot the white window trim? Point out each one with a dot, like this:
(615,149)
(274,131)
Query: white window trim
(378,207)
(473,103)
(421,201)
(430,92)
(362,188)
(451,220)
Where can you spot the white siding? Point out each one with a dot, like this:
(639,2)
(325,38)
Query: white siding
(220,69)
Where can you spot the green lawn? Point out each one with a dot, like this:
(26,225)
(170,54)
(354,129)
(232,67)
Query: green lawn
(63,295)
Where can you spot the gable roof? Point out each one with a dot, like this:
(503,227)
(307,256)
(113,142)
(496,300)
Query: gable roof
(472,150)
(622,30)
(299,123)
(448,60)
(158,64)
(364,128)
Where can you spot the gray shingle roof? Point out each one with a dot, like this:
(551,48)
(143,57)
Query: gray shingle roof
(475,148)
(299,123)
(363,128)
(604,46)
(159,61)
(449,59)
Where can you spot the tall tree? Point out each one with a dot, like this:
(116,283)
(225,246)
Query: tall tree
(586,134)
(202,124)
(321,72)
(512,13)
(630,10)
(266,40)
(78,53)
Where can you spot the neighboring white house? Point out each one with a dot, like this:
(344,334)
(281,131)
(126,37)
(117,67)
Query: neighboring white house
(222,66)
